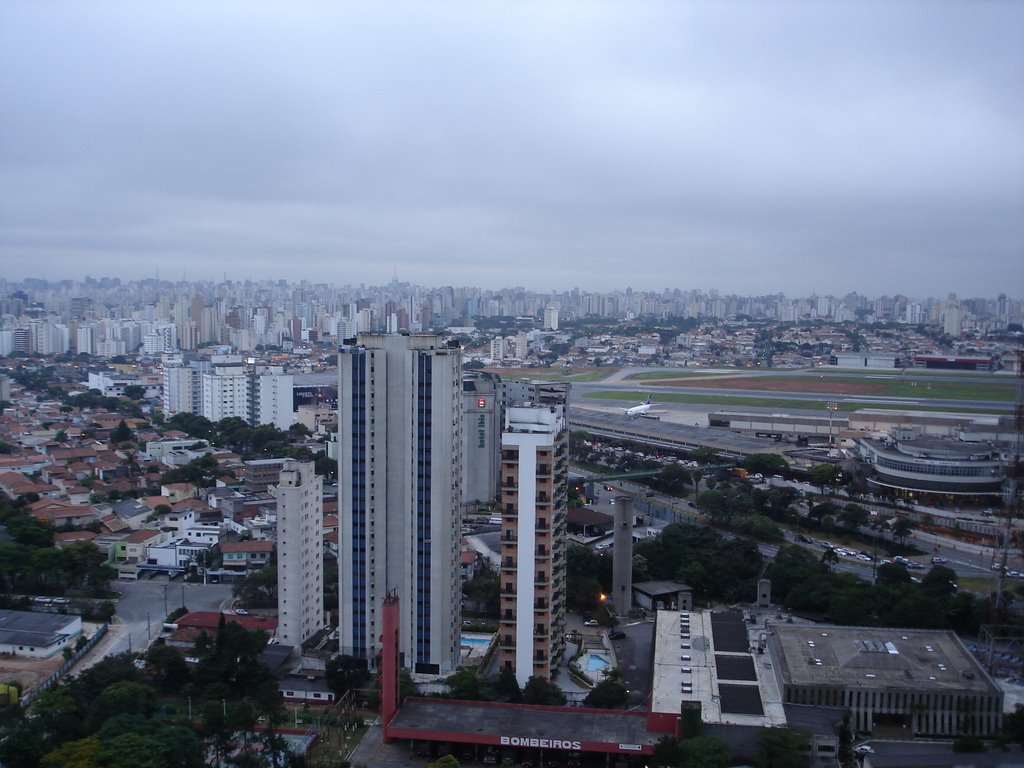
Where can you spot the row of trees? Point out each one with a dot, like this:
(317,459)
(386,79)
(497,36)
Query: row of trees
(803,583)
(715,567)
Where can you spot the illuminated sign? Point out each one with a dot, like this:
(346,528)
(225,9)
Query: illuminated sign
(481,402)
(515,741)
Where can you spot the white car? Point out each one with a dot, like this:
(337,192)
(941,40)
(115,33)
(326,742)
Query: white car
(590,623)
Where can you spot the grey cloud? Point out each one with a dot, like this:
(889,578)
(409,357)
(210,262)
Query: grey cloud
(796,146)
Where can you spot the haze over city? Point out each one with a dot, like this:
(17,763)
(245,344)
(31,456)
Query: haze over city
(799,147)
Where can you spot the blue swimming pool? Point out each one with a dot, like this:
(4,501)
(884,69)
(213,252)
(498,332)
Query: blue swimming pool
(595,663)
(476,642)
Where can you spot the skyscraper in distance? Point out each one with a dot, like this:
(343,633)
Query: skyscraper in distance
(400,475)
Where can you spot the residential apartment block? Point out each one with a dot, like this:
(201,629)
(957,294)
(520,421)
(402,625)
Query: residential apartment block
(534,458)
(400,461)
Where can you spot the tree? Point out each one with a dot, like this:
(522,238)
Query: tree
(825,475)
(30,531)
(765,464)
(258,589)
(73,754)
(829,558)
(343,673)
(705,752)
(608,694)
(538,690)
(134,392)
(121,433)
(672,480)
(170,670)
(447,761)
(902,528)
(854,516)
(892,574)
(783,748)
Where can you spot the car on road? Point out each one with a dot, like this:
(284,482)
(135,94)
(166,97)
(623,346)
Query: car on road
(939,560)
(241,612)
(618,634)
(590,623)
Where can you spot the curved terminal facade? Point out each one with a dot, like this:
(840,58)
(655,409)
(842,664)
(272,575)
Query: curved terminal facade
(928,465)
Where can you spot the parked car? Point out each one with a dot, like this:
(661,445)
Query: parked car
(618,634)
(590,623)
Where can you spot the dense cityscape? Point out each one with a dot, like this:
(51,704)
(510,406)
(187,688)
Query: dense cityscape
(836,463)
(535,385)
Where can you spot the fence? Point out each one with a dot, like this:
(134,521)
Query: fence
(26,700)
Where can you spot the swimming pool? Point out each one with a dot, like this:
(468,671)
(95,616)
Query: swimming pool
(476,642)
(595,663)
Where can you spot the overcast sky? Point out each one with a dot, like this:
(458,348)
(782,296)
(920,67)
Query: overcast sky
(752,147)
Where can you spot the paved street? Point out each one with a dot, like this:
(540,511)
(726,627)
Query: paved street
(141,610)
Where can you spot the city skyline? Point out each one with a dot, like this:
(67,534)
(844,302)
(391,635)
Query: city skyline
(803,148)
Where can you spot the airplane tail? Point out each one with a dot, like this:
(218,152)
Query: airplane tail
(648,400)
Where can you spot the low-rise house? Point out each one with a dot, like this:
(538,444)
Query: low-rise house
(60,513)
(246,555)
(176,492)
(131,512)
(67,538)
(133,547)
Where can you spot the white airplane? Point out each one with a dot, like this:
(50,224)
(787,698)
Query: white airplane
(639,410)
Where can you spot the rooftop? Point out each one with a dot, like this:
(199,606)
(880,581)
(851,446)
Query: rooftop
(476,720)
(874,657)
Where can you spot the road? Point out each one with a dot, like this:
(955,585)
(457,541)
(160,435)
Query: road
(968,560)
(141,610)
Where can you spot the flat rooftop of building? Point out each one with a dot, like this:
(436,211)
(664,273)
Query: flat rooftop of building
(876,657)
(472,721)
(732,685)
(33,629)
(918,754)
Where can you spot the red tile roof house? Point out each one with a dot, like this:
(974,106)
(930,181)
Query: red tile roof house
(244,555)
(67,538)
(191,625)
(58,513)
(15,484)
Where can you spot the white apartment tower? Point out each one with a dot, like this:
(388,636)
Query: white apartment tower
(300,557)
(534,467)
(551,318)
(400,476)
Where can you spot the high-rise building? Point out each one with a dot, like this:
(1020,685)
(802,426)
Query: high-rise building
(481,436)
(534,471)
(551,318)
(300,556)
(400,476)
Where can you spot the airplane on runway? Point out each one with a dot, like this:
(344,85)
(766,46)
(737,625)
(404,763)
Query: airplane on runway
(643,409)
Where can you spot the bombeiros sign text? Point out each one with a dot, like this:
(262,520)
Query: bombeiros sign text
(516,741)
